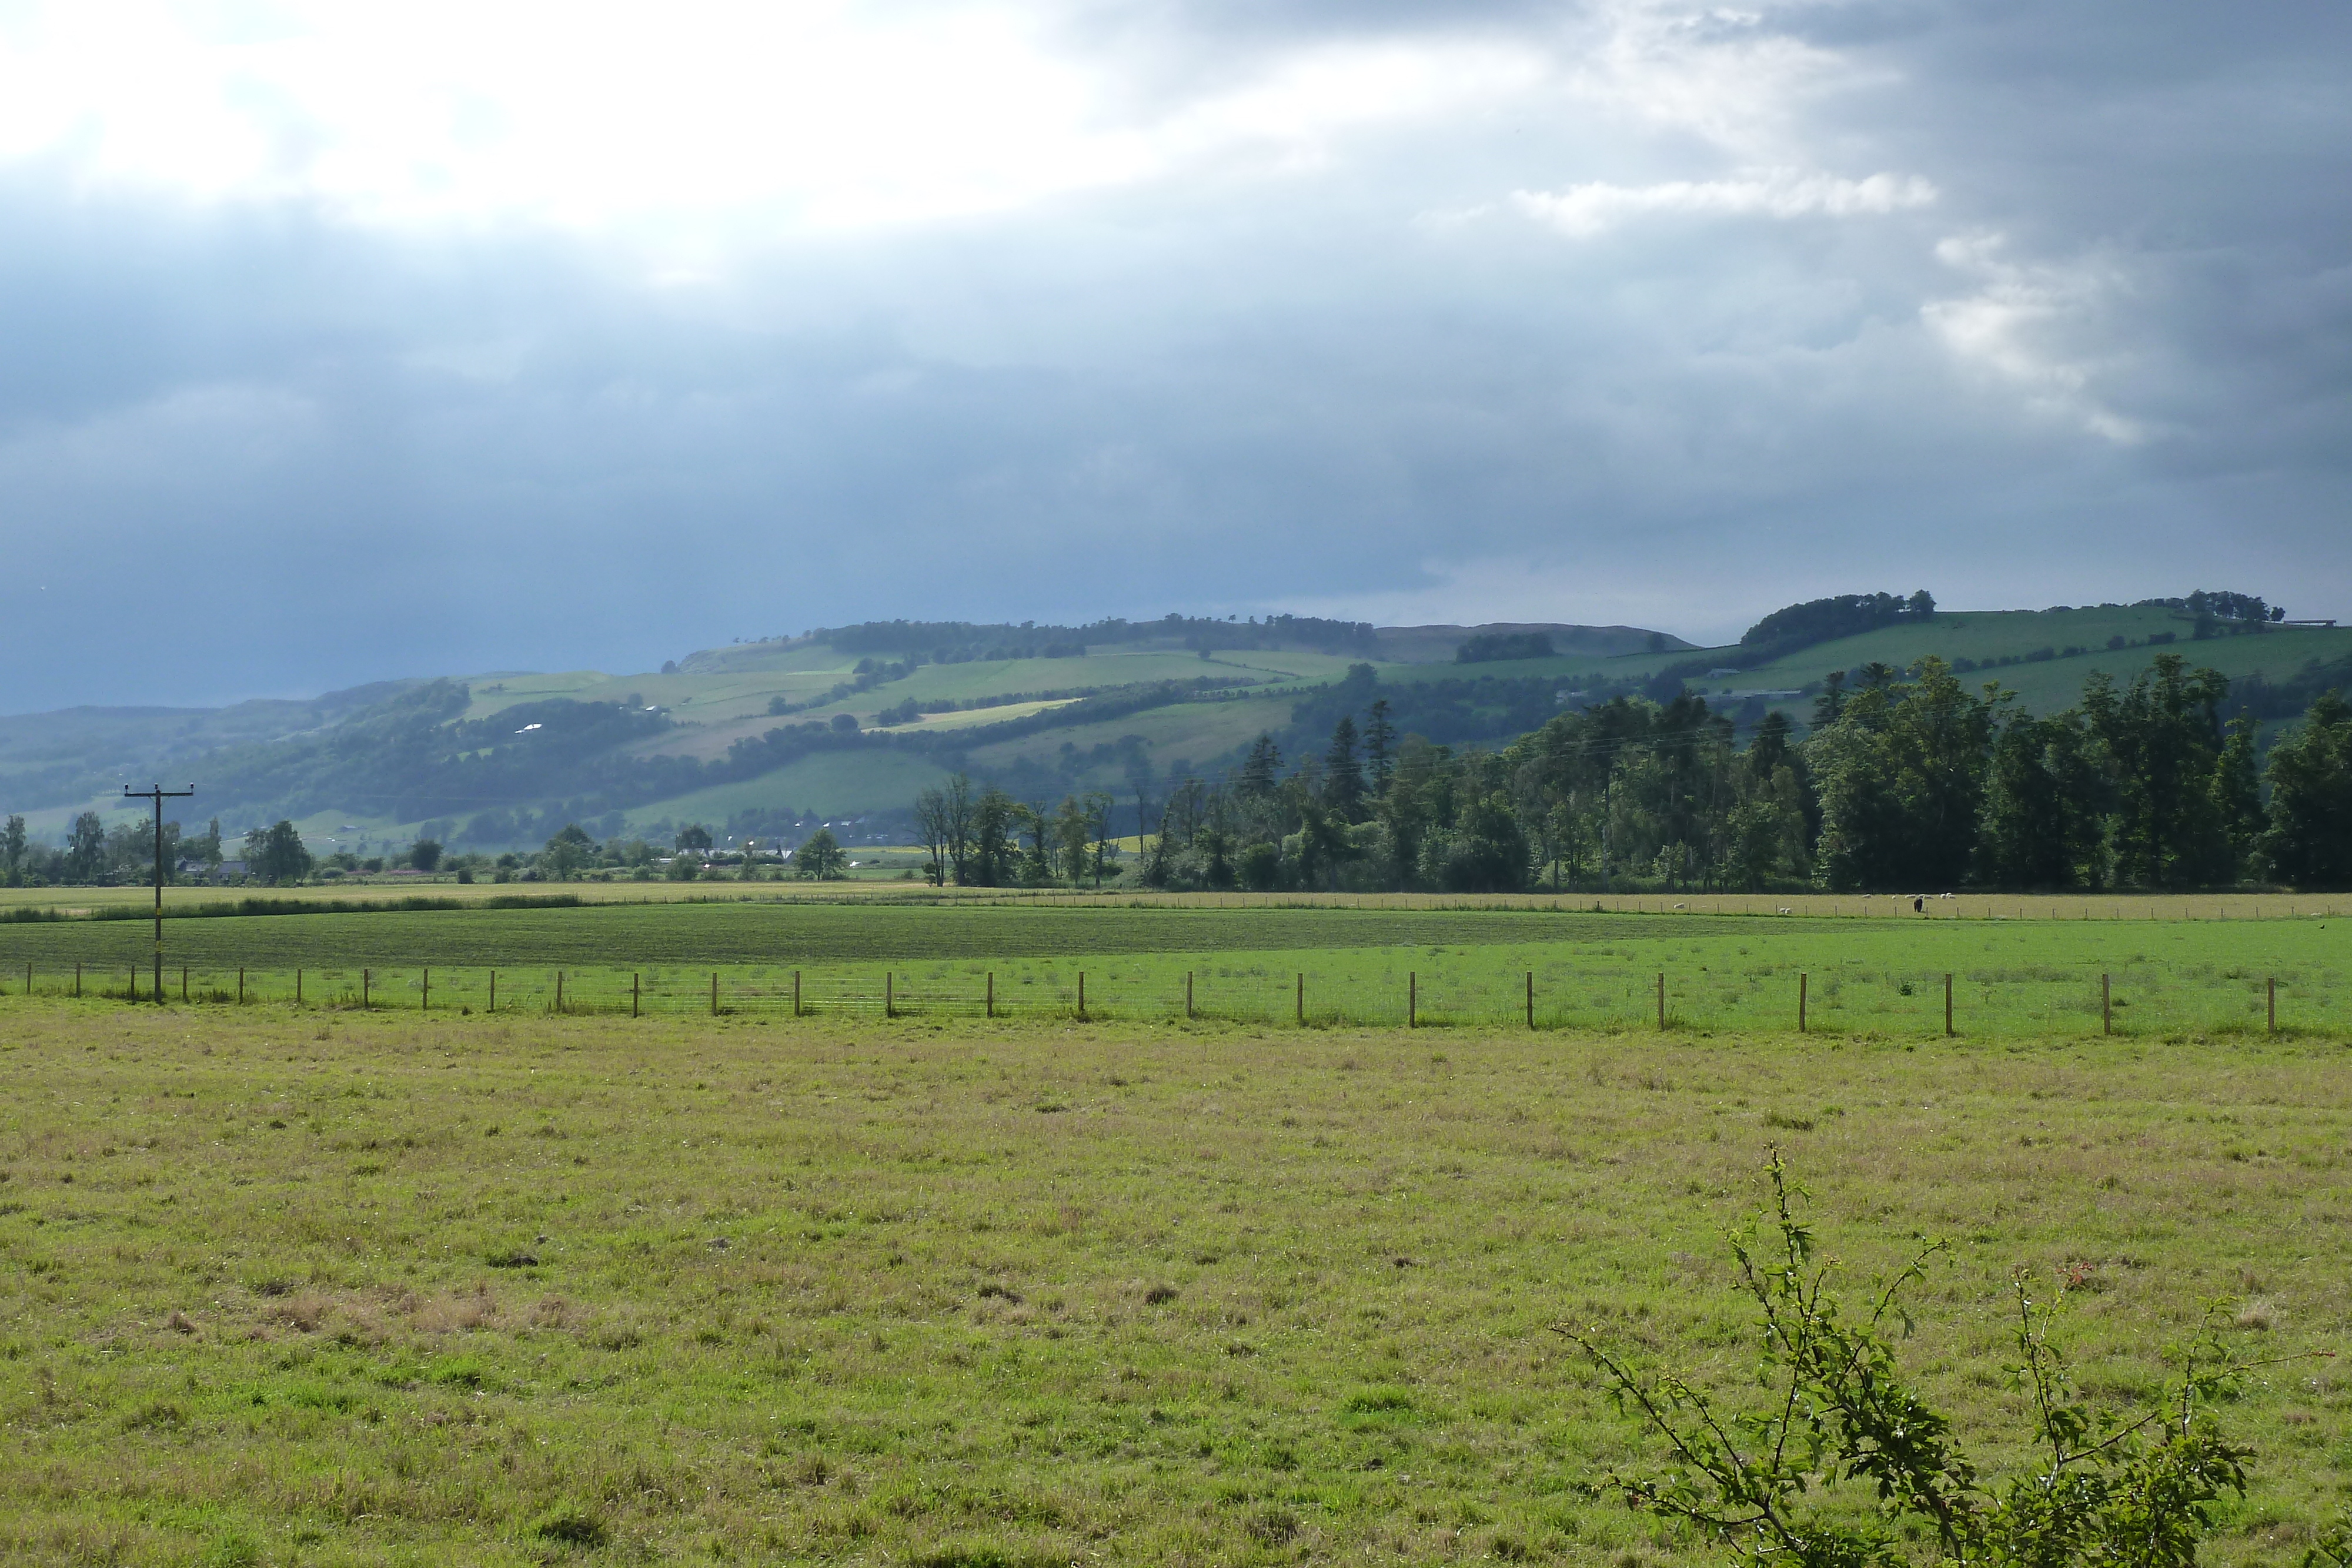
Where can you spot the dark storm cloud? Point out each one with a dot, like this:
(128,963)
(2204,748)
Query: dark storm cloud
(250,446)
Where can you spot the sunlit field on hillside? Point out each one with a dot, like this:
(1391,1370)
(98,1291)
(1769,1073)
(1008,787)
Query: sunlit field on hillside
(350,1286)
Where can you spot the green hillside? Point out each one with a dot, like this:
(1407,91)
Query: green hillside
(2043,655)
(833,785)
(858,720)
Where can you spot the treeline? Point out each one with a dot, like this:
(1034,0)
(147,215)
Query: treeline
(1908,781)
(1826,620)
(983,837)
(93,852)
(1796,627)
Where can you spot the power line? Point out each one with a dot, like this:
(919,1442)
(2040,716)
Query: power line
(158,794)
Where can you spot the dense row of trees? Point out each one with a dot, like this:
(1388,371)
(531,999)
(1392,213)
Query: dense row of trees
(1908,780)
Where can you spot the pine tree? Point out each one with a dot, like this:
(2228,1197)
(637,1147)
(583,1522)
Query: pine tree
(1343,775)
(1380,746)
(1263,771)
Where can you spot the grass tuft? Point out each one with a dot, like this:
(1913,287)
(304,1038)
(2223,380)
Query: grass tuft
(572,1527)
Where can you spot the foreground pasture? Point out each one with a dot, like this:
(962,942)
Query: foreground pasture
(358,1288)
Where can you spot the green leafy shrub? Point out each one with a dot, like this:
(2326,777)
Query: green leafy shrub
(2108,1487)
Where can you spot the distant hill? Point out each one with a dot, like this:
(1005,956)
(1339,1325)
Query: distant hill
(753,737)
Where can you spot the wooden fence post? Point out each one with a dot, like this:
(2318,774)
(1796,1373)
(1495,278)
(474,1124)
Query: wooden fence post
(298,988)
(363,990)
(796,993)
(1801,1001)
(240,987)
(77,980)
(1662,1001)
(1301,1013)
(559,990)
(1412,1000)
(2273,986)
(425,1001)
(1188,992)
(890,1001)
(184,982)
(636,980)
(714,993)
(2106,1004)
(494,991)
(1531,998)
(1947,1003)
(992,993)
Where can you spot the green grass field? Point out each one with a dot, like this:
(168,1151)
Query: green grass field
(282,1288)
(1884,976)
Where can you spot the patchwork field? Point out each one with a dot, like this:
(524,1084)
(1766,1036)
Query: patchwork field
(281,1287)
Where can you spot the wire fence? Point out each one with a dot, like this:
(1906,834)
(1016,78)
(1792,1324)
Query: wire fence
(2140,998)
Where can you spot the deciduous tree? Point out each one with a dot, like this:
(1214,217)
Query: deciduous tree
(569,853)
(820,858)
(2309,842)
(86,848)
(276,854)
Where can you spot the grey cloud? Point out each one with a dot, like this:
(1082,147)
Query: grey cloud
(253,450)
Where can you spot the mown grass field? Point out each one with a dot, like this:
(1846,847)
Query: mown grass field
(368,1288)
(1882,974)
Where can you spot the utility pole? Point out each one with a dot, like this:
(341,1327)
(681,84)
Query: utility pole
(158,794)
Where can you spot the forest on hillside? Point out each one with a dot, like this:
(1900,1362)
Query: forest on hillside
(1907,781)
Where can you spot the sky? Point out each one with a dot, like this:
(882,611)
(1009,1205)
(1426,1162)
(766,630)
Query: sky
(341,342)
